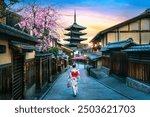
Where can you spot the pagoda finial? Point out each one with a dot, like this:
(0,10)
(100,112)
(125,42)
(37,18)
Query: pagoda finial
(74,15)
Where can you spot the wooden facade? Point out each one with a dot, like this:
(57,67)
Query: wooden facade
(94,60)
(43,70)
(106,62)
(139,70)
(139,62)
(17,71)
(119,63)
(29,78)
(128,60)
(18,76)
(6,81)
(23,73)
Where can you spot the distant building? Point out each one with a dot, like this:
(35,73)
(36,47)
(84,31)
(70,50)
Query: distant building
(12,19)
(75,34)
(137,28)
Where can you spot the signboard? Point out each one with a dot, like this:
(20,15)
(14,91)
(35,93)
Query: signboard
(2,48)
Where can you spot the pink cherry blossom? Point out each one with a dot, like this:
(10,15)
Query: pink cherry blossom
(41,22)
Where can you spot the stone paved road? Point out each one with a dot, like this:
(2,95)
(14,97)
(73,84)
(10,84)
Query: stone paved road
(89,89)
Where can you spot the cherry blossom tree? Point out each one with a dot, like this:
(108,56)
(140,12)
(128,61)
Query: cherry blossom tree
(41,22)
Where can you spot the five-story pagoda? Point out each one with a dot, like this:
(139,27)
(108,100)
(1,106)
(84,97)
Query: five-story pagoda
(74,33)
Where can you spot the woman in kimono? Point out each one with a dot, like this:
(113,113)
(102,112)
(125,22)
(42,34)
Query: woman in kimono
(73,78)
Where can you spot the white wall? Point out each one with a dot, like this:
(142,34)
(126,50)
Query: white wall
(124,28)
(145,24)
(134,26)
(30,55)
(145,38)
(111,37)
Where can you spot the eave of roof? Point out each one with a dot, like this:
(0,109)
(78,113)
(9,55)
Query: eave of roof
(93,56)
(146,14)
(118,45)
(138,48)
(75,39)
(75,33)
(23,46)
(10,31)
(64,47)
(76,26)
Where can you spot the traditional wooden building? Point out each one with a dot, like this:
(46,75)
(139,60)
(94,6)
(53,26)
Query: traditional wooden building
(24,73)
(129,61)
(139,62)
(94,60)
(65,54)
(43,70)
(114,59)
(137,28)
(17,64)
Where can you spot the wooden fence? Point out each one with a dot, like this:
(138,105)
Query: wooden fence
(5,81)
(29,73)
(134,65)
(106,62)
(119,64)
(41,72)
(139,70)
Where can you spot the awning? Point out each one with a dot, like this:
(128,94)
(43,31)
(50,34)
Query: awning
(23,46)
(93,56)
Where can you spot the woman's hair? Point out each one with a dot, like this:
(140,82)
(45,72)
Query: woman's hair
(74,65)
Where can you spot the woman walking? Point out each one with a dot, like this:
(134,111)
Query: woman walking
(73,78)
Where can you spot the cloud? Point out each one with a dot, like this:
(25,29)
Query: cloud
(95,21)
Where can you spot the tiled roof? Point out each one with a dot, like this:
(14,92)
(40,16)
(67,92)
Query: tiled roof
(8,30)
(75,25)
(75,32)
(117,45)
(65,48)
(93,56)
(22,45)
(75,38)
(138,48)
(104,49)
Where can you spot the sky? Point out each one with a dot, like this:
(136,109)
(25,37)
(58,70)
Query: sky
(96,15)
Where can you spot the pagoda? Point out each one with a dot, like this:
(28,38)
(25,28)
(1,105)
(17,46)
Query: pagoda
(74,34)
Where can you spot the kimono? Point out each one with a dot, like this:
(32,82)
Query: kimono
(73,78)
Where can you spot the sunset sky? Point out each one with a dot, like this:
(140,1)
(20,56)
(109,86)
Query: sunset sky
(97,15)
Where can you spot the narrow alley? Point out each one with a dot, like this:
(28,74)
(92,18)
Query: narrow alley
(89,89)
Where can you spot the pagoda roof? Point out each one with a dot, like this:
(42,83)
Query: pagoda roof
(75,39)
(75,32)
(75,26)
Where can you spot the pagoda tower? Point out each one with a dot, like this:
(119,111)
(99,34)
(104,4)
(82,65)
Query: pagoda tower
(74,34)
